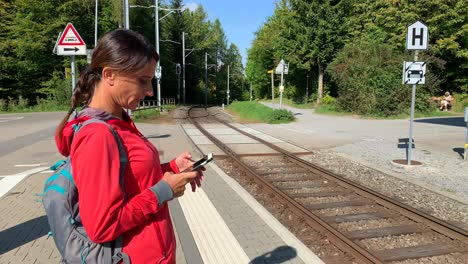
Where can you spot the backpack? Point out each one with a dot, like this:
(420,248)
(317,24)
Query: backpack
(60,200)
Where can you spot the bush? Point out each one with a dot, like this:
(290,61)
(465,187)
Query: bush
(368,78)
(280,116)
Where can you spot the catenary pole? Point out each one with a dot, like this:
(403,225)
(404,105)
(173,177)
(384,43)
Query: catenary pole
(156,27)
(183,67)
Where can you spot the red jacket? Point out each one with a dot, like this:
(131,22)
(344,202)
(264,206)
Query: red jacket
(147,227)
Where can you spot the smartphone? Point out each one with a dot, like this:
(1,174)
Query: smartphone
(202,162)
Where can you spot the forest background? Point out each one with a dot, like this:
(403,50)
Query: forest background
(345,53)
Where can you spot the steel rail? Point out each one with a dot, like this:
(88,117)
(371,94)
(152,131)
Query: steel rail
(337,238)
(434,223)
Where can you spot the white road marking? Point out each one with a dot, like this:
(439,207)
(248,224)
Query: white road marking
(10,181)
(6,119)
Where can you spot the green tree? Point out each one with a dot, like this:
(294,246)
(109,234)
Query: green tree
(316,33)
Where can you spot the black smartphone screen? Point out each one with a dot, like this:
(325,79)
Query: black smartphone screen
(202,162)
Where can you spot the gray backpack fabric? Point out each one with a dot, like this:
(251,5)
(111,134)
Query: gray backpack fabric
(60,200)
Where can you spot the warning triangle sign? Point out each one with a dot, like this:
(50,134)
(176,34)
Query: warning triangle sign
(70,36)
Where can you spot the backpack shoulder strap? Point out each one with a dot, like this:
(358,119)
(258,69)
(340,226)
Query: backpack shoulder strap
(122,153)
(118,254)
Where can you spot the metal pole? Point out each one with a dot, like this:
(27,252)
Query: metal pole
(156,27)
(73,73)
(281,93)
(227,87)
(206,78)
(178,88)
(272,90)
(250,91)
(183,67)
(307,89)
(127,15)
(96,23)
(127,26)
(413,98)
(465,156)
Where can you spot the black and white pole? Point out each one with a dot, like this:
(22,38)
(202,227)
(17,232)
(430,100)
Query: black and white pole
(414,72)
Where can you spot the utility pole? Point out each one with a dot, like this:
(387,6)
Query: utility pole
(96,23)
(227,103)
(158,67)
(183,67)
(206,79)
(127,26)
(126,14)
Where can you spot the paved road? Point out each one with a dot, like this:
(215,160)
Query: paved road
(316,131)
(27,139)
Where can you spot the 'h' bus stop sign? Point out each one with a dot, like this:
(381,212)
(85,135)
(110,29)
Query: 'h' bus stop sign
(417,36)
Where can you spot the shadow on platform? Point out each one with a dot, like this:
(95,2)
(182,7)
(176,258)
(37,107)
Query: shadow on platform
(23,233)
(158,136)
(278,255)
(460,151)
(448,121)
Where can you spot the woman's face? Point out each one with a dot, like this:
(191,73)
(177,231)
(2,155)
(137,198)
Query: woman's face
(129,89)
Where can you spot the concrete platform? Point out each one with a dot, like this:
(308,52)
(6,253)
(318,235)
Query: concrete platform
(219,223)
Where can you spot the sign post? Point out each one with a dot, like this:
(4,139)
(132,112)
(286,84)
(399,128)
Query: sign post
(282,69)
(272,89)
(465,154)
(414,73)
(69,43)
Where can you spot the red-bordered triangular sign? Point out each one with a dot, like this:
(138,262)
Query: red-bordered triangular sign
(70,36)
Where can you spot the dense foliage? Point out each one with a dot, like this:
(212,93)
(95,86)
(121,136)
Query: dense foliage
(354,50)
(351,50)
(30,71)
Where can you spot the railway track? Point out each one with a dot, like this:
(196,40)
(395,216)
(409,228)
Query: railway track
(363,226)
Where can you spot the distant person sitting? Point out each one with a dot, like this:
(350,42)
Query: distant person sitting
(446,101)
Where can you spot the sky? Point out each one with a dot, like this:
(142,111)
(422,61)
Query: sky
(240,19)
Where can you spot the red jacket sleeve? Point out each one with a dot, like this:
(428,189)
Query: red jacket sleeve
(170,166)
(104,213)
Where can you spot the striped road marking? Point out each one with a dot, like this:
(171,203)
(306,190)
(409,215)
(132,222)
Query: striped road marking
(8,182)
(13,118)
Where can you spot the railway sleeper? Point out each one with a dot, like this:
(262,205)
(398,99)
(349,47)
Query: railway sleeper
(422,251)
(355,217)
(383,232)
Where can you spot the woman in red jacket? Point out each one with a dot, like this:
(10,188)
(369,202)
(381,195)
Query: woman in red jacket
(123,65)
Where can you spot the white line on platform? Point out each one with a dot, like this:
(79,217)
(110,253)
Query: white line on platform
(46,171)
(10,181)
(303,251)
(27,165)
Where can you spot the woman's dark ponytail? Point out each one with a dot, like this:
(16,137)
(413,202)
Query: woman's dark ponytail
(83,92)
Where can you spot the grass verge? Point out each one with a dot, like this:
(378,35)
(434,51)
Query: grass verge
(256,112)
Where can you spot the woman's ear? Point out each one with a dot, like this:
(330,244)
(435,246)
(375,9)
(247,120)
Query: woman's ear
(108,75)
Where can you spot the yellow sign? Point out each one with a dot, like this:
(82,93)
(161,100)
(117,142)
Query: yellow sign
(270,71)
